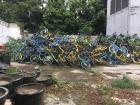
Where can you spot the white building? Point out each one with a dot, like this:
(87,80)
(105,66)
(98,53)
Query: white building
(8,30)
(123,17)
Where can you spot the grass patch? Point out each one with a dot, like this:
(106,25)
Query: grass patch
(11,70)
(103,89)
(59,83)
(124,83)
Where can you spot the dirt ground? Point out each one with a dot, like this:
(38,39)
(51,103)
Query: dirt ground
(81,85)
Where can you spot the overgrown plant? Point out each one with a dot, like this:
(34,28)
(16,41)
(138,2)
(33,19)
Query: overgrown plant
(103,89)
(12,46)
(123,83)
(11,70)
(59,83)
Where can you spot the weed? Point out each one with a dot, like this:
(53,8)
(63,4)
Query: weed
(123,83)
(103,89)
(59,83)
(11,70)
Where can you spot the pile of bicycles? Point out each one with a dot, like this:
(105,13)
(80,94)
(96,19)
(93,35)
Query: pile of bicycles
(76,50)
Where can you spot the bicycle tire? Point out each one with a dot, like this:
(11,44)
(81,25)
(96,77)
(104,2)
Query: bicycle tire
(85,65)
(33,58)
(112,49)
(124,50)
(46,61)
(20,57)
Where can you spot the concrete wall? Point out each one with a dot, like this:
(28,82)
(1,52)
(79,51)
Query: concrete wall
(134,17)
(126,21)
(117,23)
(8,30)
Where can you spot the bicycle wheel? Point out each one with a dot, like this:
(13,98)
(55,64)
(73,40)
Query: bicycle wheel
(20,57)
(101,61)
(122,59)
(62,63)
(47,60)
(33,58)
(113,48)
(61,59)
(86,65)
(73,64)
(124,50)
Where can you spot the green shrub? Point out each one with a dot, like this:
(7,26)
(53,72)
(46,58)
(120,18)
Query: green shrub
(125,82)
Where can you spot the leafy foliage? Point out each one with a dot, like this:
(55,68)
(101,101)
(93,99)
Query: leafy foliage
(12,46)
(59,16)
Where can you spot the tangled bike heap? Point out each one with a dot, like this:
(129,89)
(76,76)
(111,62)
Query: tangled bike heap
(76,50)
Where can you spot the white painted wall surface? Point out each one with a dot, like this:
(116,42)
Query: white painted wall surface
(8,30)
(134,17)
(126,21)
(117,23)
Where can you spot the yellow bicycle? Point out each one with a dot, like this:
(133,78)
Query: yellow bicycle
(98,54)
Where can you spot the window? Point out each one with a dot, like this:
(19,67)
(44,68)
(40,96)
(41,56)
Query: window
(113,6)
(124,3)
(117,5)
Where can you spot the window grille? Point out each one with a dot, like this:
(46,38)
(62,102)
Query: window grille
(125,3)
(113,7)
(117,5)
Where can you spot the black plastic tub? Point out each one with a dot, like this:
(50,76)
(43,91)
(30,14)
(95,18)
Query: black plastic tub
(17,81)
(6,59)
(46,80)
(35,71)
(6,81)
(29,94)
(29,78)
(3,95)
(3,65)
(1,72)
